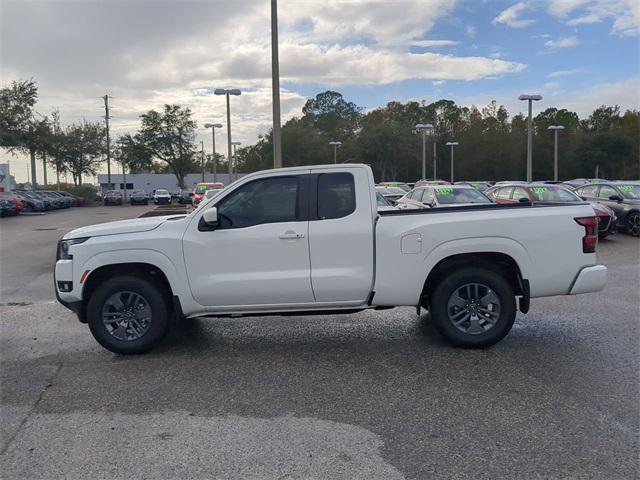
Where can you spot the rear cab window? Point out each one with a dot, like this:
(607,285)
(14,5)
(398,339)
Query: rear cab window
(336,195)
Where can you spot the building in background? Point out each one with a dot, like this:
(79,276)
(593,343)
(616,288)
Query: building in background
(152,181)
(6,180)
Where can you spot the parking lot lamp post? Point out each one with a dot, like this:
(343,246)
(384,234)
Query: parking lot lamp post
(424,128)
(227,92)
(452,145)
(124,181)
(555,129)
(213,127)
(235,160)
(335,150)
(530,99)
(202,158)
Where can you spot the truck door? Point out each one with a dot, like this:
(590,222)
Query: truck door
(341,235)
(259,255)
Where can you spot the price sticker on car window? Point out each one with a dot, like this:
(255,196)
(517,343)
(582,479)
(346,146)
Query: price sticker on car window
(475,185)
(444,191)
(538,189)
(625,188)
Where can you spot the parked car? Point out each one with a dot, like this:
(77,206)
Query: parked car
(79,201)
(19,204)
(31,203)
(480,186)
(161,197)
(401,185)
(621,197)
(391,194)
(185,197)
(264,246)
(67,201)
(36,196)
(383,203)
(7,207)
(424,183)
(552,193)
(56,201)
(201,188)
(113,197)
(138,197)
(442,196)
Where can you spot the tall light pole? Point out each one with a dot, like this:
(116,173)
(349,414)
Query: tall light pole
(235,160)
(227,92)
(335,150)
(213,127)
(202,158)
(530,99)
(452,145)
(275,86)
(555,129)
(424,128)
(106,120)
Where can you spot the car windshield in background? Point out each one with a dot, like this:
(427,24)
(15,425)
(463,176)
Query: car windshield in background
(460,195)
(630,191)
(138,192)
(553,194)
(212,192)
(391,191)
(162,192)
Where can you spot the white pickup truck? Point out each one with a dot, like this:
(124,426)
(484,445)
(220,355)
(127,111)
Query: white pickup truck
(307,240)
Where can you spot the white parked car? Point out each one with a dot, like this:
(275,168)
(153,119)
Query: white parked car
(311,239)
(161,197)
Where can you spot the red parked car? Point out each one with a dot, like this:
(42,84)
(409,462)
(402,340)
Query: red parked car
(552,193)
(17,200)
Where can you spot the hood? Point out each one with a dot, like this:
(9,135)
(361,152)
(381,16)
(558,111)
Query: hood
(122,226)
(631,201)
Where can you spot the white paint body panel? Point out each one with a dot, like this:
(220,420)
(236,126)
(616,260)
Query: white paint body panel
(338,262)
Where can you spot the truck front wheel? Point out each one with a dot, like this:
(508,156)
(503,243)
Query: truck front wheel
(128,315)
(473,307)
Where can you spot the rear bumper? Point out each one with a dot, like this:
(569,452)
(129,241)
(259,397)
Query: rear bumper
(590,279)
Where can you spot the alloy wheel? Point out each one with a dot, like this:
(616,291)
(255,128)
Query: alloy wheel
(473,308)
(126,315)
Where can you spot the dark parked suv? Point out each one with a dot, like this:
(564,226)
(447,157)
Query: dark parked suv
(621,197)
(139,197)
(113,197)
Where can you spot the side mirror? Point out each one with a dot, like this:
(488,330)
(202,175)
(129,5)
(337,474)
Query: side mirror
(210,216)
(615,198)
(523,200)
(191,194)
(584,199)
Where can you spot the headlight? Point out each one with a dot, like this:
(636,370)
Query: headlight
(64,245)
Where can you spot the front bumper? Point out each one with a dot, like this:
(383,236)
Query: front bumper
(63,272)
(590,279)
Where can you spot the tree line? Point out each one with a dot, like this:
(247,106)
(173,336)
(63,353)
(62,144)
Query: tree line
(492,144)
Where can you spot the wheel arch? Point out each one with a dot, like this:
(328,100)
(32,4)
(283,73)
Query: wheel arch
(137,269)
(498,262)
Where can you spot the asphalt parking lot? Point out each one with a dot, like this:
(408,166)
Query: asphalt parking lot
(370,395)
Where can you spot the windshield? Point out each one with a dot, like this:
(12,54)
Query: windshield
(391,191)
(138,192)
(630,191)
(382,202)
(162,192)
(460,195)
(212,193)
(553,194)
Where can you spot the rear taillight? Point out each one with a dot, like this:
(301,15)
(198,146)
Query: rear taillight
(590,239)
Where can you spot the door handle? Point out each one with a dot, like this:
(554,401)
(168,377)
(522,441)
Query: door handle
(291,235)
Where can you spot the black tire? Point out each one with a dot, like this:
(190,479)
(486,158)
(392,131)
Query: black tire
(633,224)
(492,283)
(158,323)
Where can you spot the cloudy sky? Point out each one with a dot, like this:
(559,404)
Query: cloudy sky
(577,53)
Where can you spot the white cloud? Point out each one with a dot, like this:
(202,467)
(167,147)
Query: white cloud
(625,14)
(434,43)
(565,73)
(565,42)
(511,16)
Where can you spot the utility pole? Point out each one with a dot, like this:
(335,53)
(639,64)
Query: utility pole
(202,158)
(335,150)
(452,145)
(124,183)
(32,154)
(106,119)
(424,128)
(435,163)
(530,99)
(275,85)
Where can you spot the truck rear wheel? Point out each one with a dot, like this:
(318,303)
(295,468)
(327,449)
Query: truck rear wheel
(473,307)
(128,315)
